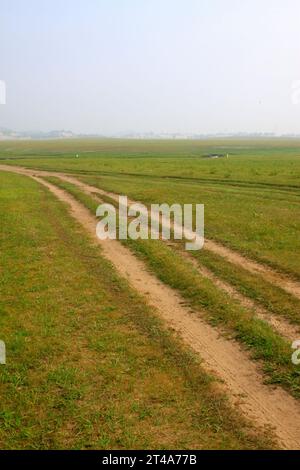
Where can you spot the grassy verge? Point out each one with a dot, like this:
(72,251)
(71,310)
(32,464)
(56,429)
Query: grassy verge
(89,365)
(269,347)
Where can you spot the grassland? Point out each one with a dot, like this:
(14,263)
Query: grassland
(252,206)
(89,365)
(219,309)
(251,198)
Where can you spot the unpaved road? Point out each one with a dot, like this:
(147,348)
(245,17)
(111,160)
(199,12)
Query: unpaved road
(279,279)
(262,404)
(279,324)
(289,285)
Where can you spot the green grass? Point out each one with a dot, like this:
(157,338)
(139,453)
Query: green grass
(263,224)
(251,199)
(270,162)
(271,297)
(269,347)
(89,365)
(251,204)
(276,300)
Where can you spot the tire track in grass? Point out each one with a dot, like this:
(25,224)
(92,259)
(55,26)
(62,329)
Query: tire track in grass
(242,380)
(282,326)
(289,285)
(277,278)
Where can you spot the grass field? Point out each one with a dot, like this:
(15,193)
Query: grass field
(90,363)
(251,198)
(203,296)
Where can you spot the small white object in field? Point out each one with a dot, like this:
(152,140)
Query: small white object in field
(227,155)
(77,155)
(2,353)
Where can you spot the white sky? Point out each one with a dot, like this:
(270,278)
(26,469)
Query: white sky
(111,66)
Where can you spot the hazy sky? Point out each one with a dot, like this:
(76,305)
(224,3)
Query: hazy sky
(110,66)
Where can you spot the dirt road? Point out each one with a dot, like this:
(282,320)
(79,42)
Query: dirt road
(264,405)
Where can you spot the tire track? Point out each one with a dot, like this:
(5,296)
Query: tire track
(265,406)
(281,280)
(281,325)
